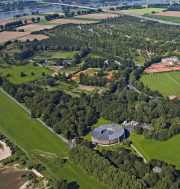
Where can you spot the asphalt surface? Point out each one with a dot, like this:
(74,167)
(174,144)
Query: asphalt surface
(63,139)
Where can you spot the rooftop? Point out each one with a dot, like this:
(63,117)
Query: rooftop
(107,132)
(157,169)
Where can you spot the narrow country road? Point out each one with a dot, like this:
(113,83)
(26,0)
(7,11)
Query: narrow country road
(63,139)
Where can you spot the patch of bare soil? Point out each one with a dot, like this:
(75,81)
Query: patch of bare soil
(5,151)
(9,35)
(169,13)
(87,88)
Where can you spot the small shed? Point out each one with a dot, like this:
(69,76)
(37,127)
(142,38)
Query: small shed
(156,169)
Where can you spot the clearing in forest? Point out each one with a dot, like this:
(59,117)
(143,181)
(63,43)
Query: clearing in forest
(9,35)
(153,149)
(28,133)
(15,72)
(163,83)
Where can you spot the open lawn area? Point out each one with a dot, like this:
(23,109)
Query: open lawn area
(65,55)
(143,11)
(15,72)
(167,151)
(78,178)
(162,83)
(26,132)
(167,18)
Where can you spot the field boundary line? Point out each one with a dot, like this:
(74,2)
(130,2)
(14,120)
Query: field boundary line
(139,153)
(172,79)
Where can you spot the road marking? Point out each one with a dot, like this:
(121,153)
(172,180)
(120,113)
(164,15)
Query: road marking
(172,79)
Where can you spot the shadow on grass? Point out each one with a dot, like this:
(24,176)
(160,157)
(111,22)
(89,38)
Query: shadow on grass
(74,185)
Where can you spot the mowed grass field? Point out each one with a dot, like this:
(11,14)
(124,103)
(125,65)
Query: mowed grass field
(167,151)
(167,18)
(28,133)
(65,55)
(143,11)
(15,72)
(78,178)
(162,83)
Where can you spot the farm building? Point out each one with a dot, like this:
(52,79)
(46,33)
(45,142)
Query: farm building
(107,134)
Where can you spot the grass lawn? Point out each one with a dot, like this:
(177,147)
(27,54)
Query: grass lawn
(167,18)
(167,151)
(26,132)
(139,60)
(162,83)
(15,72)
(65,55)
(76,176)
(145,10)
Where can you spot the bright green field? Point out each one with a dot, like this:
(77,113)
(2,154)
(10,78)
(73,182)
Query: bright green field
(145,10)
(167,151)
(65,55)
(26,132)
(162,83)
(15,72)
(75,174)
(167,18)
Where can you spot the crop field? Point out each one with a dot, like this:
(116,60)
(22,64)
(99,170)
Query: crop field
(65,55)
(169,13)
(26,132)
(15,72)
(35,27)
(143,11)
(75,21)
(9,35)
(162,83)
(167,18)
(32,37)
(167,151)
(96,16)
(78,178)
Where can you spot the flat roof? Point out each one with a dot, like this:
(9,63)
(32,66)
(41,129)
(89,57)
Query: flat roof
(107,132)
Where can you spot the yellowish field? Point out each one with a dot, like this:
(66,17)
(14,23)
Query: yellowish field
(35,27)
(65,21)
(97,16)
(31,37)
(9,35)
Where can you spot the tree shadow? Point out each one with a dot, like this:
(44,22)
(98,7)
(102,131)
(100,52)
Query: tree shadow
(127,133)
(74,185)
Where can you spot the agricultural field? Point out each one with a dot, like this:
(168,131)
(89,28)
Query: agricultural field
(162,83)
(26,132)
(78,178)
(169,13)
(143,11)
(31,37)
(74,21)
(167,18)
(97,16)
(64,55)
(9,35)
(152,149)
(35,27)
(15,72)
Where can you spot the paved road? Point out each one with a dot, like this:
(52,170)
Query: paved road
(63,139)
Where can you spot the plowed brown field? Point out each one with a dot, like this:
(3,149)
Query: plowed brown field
(169,13)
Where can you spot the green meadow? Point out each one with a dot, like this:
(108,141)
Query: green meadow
(15,72)
(28,133)
(144,10)
(167,151)
(65,55)
(78,178)
(167,18)
(162,83)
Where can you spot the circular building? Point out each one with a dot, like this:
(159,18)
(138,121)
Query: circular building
(107,134)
